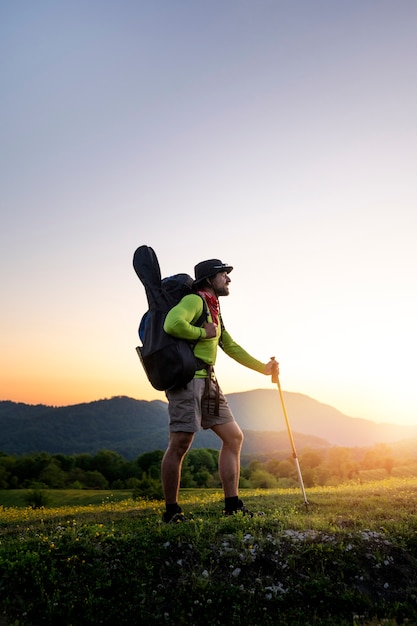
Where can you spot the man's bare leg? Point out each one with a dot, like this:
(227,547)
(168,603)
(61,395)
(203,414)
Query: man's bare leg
(229,457)
(179,444)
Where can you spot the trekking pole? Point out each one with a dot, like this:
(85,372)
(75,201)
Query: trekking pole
(275,379)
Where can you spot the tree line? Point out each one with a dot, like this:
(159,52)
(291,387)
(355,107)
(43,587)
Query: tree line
(109,470)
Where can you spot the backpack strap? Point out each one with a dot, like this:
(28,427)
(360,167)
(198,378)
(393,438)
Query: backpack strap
(222,328)
(203,318)
(204,314)
(211,376)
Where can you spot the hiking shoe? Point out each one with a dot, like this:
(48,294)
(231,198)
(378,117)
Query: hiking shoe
(241,508)
(174,518)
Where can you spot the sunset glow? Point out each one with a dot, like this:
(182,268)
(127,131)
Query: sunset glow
(278,137)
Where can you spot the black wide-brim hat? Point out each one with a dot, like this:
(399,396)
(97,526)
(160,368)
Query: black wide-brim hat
(205,269)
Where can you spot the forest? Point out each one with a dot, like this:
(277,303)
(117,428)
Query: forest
(107,469)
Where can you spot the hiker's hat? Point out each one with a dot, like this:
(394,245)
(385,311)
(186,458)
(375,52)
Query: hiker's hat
(205,269)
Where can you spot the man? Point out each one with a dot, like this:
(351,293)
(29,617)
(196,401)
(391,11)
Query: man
(202,404)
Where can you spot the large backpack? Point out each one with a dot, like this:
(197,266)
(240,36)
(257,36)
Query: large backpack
(169,362)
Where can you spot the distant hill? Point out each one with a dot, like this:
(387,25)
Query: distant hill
(131,427)
(261,410)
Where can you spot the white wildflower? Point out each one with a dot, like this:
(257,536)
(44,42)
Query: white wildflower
(274,590)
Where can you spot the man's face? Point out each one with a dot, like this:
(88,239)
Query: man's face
(220,283)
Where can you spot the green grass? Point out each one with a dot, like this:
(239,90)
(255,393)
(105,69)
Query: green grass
(64,497)
(350,558)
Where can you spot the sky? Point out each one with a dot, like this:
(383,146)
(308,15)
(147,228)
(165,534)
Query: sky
(279,136)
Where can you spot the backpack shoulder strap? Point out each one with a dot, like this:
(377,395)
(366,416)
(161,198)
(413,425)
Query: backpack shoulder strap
(222,328)
(204,315)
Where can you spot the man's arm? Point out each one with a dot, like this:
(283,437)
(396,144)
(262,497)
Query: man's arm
(179,320)
(236,352)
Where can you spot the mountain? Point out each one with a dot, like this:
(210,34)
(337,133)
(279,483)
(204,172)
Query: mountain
(127,426)
(131,427)
(261,410)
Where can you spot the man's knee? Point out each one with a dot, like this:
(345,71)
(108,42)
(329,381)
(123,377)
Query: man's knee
(230,434)
(238,438)
(180,442)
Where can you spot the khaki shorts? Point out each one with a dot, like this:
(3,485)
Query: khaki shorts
(189,411)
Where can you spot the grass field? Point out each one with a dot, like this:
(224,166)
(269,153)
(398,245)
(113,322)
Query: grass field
(350,557)
(65,497)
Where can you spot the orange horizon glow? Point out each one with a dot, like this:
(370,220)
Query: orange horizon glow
(282,141)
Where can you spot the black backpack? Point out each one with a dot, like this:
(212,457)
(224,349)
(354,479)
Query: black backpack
(169,362)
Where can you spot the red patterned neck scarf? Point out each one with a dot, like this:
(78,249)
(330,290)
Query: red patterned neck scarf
(213,304)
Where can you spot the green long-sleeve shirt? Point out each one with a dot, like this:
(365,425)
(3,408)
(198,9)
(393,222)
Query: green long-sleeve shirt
(179,323)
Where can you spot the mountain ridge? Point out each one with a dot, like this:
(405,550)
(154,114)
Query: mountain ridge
(131,427)
(309,416)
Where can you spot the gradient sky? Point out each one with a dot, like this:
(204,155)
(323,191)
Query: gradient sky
(279,136)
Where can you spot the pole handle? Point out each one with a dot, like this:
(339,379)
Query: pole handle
(275,371)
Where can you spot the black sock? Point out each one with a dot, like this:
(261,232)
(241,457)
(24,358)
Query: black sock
(231,504)
(173,508)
